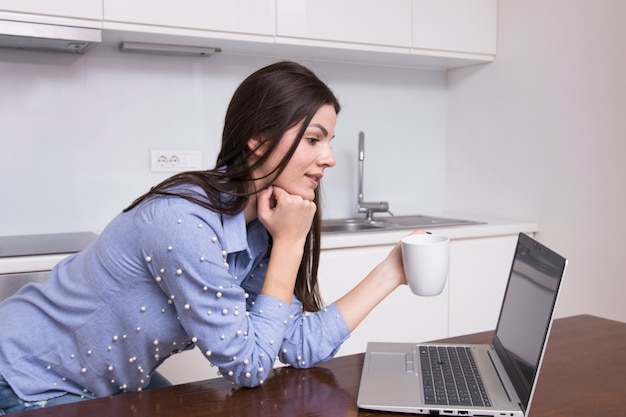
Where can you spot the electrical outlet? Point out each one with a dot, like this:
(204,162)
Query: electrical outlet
(175,161)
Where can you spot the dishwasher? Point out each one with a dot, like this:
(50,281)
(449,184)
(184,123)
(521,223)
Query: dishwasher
(29,258)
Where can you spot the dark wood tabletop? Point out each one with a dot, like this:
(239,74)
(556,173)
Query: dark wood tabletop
(583,374)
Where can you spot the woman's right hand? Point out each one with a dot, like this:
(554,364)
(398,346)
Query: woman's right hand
(286,217)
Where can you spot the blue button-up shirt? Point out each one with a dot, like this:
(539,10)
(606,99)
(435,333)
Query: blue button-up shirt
(164,277)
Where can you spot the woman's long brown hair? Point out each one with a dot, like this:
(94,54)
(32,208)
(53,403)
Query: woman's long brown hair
(265,105)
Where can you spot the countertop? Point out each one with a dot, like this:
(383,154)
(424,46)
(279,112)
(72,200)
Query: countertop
(489,228)
(32,253)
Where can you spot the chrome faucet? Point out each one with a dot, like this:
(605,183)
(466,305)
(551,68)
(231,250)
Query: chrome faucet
(369,208)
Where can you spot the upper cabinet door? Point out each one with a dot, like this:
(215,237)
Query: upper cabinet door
(372,22)
(80,9)
(238,16)
(467,26)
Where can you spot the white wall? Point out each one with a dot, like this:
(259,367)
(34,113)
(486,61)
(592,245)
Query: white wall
(540,134)
(76,132)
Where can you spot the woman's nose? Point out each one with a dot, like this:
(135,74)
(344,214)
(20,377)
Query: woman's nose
(328,157)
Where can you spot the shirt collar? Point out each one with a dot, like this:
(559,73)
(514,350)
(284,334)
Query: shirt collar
(252,238)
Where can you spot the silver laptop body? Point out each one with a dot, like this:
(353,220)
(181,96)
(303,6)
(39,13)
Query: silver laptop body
(391,379)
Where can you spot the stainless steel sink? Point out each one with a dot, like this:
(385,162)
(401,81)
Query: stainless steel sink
(390,223)
(350,225)
(424,221)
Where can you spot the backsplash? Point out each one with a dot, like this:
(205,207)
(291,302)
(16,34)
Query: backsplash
(76,132)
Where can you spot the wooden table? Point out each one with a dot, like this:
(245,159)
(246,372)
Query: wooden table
(584,352)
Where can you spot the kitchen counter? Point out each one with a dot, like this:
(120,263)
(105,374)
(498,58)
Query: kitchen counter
(32,253)
(30,263)
(480,261)
(364,249)
(488,228)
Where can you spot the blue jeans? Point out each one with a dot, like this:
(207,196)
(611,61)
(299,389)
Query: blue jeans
(11,403)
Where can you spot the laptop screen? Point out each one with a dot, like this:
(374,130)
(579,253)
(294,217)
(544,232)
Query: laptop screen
(526,314)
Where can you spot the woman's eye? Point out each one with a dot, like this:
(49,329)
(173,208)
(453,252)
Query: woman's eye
(312,140)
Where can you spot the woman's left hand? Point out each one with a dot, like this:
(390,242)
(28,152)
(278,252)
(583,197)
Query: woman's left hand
(378,284)
(392,264)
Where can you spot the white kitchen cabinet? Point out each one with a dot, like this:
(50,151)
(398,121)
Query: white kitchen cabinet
(188,366)
(469,303)
(480,259)
(88,12)
(479,269)
(372,22)
(401,317)
(437,27)
(235,16)
(455,26)
(359,31)
(434,34)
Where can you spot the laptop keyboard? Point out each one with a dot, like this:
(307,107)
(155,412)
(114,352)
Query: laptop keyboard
(450,376)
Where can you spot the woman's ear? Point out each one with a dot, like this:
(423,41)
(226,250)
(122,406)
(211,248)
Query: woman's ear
(256,146)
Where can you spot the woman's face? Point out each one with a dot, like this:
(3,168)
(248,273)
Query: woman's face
(313,155)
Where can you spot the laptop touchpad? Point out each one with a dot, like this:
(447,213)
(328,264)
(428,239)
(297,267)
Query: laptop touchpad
(387,362)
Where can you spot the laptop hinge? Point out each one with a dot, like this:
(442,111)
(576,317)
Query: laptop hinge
(506,382)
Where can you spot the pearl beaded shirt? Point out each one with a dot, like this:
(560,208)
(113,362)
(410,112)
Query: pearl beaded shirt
(167,276)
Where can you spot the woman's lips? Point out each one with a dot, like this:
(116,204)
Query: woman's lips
(314,178)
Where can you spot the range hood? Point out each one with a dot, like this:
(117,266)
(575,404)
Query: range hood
(22,35)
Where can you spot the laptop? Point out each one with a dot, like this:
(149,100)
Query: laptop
(424,378)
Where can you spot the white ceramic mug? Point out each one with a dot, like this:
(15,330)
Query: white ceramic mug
(426,260)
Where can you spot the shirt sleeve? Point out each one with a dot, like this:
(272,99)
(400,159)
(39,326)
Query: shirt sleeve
(189,264)
(312,338)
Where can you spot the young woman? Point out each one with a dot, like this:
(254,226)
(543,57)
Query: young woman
(224,259)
